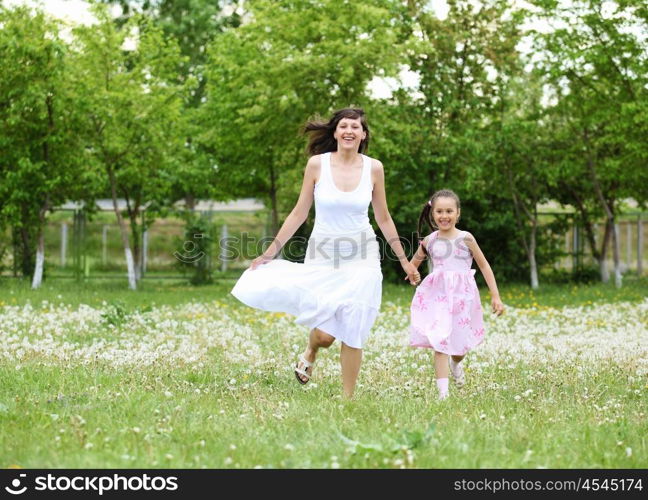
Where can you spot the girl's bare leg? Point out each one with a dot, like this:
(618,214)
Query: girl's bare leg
(440,365)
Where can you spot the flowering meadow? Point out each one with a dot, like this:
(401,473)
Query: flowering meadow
(190,379)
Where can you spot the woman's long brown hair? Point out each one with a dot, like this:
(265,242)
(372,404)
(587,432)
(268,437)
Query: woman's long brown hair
(320,132)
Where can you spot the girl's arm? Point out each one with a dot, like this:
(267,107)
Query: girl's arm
(484,266)
(298,215)
(420,255)
(385,222)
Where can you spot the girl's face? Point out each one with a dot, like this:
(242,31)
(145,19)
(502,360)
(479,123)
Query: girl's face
(445,213)
(349,134)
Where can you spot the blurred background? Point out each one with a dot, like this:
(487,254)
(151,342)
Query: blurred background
(163,138)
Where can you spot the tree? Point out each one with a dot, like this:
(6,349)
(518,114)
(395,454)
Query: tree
(132,103)
(41,156)
(193,24)
(288,62)
(597,65)
(430,137)
(519,148)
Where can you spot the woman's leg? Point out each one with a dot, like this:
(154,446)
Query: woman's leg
(316,339)
(350,360)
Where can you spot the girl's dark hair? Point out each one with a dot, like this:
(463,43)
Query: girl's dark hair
(426,213)
(321,132)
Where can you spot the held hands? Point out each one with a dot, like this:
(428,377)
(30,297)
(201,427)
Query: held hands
(498,307)
(259,261)
(412,274)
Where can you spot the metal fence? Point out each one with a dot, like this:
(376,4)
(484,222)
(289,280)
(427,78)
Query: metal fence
(76,247)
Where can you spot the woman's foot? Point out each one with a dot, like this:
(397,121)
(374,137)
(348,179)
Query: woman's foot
(304,367)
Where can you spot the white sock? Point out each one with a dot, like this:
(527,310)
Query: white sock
(442,385)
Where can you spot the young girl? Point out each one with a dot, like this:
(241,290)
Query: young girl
(446,311)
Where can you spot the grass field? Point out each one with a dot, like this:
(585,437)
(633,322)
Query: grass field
(175,376)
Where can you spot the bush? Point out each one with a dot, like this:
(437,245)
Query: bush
(195,253)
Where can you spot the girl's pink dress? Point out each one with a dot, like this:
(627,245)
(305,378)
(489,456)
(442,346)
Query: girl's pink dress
(446,310)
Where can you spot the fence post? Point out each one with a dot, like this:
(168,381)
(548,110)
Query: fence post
(223,248)
(639,245)
(75,242)
(83,269)
(64,236)
(15,251)
(144,250)
(575,264)
(104,245)
(629,244)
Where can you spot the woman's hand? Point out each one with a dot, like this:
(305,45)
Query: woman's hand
(412,274)
(498,307)
(259,261)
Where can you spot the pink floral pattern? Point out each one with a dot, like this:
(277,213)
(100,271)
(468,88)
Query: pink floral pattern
(446,312)
(419,301)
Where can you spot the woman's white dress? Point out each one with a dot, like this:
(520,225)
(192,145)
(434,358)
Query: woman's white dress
(338,287)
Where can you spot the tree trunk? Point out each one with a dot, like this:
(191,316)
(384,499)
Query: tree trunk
(532,257)
(40,251)
(137,249)
(40,259)
(132,282)
(605,275)
(588,225)
(190,202)
(273,203)
(616,254)
(608,207)
(26,251)
(522,211)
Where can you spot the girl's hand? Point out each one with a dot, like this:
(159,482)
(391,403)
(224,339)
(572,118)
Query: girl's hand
(498,307)
(412,274)
(259,261)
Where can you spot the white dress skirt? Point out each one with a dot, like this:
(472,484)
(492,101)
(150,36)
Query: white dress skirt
(338,288)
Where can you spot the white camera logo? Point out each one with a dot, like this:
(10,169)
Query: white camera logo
(16,484)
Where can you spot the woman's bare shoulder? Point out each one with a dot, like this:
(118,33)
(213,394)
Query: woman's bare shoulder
(377,170)
(313,167)
(375,163)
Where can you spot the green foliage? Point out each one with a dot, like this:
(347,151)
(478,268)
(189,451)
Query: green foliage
(41,165)
(133,102)
(195,256)
(114,313)
(265,81)
(596,68)
(197,98)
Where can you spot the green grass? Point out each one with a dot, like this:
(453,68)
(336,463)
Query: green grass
(92,417)
(177,291)
(233,409)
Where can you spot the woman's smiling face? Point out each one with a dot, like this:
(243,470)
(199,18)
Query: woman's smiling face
(349,133)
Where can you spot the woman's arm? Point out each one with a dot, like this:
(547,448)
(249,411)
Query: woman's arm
(486,270)
(385,222)
(298,214)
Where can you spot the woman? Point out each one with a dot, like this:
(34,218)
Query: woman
(337,290)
